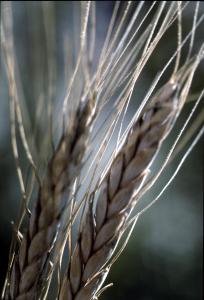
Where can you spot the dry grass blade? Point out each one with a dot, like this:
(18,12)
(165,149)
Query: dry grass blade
(125,177)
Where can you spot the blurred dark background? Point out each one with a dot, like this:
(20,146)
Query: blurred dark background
(163,259)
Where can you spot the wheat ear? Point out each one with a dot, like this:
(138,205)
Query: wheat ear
(63,168)
(100,233)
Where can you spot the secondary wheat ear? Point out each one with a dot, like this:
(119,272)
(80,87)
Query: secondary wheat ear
(30,261)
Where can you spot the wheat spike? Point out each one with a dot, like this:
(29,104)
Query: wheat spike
(63,168)
(102,225)
(125,177)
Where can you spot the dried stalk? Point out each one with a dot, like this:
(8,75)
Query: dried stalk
(100,233)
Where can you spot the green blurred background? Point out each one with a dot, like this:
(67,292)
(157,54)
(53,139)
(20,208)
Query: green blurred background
(163,259)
